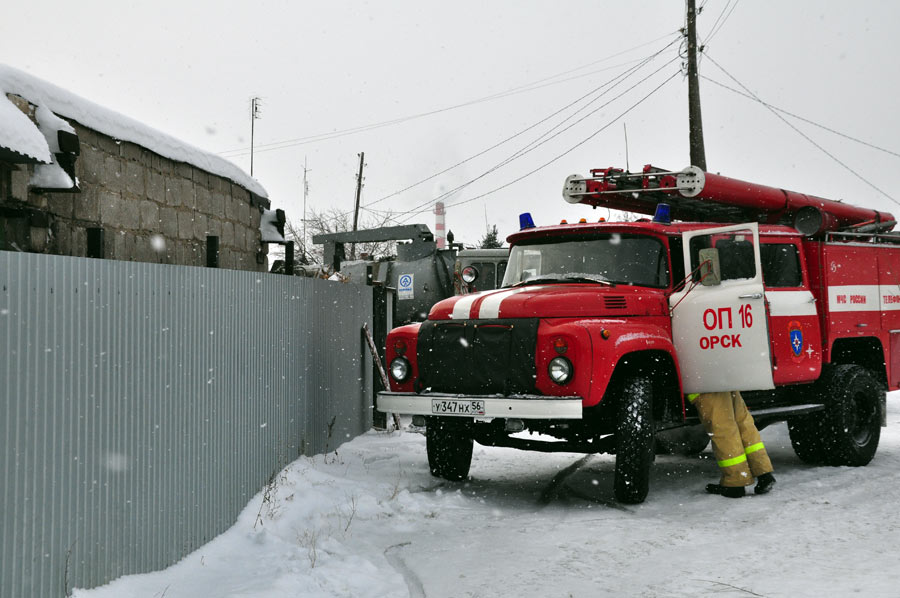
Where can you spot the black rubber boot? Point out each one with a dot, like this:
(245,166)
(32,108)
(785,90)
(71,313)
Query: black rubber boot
(729,491)
(764,483)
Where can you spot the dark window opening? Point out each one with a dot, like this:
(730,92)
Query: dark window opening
(736,257)
(6,181)
(486,280)
(781,265)
(676,251)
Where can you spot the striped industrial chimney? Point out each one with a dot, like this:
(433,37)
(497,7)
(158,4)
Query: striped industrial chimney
(440,234)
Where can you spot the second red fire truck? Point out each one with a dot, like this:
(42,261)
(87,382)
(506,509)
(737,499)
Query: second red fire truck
(600,329)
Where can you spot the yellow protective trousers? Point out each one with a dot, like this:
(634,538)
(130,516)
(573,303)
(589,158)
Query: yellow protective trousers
(736,443)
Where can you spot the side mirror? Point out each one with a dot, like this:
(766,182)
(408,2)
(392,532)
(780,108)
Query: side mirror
(710,272)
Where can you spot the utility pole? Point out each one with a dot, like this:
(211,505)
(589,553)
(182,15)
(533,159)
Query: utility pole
(305,195)
(254,114)
(359,183)
(698,153)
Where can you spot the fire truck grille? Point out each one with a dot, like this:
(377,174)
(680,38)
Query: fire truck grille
(483,357)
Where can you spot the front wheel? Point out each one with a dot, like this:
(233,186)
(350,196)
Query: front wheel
(634,439)
(448,442)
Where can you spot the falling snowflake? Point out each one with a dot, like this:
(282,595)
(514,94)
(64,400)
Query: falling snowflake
(158,243)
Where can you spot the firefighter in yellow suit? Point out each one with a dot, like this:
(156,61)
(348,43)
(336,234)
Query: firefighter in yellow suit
(738,448)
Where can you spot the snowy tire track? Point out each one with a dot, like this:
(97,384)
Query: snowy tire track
(416,589)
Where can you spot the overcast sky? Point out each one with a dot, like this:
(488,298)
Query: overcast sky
(189,68)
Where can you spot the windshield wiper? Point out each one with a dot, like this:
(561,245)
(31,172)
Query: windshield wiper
(551,278)
(589,278)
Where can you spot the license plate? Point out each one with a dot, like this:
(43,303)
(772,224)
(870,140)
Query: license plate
(456,407)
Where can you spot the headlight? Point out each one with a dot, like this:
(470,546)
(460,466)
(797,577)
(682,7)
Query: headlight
(400,369)
(469,274)
(560,370)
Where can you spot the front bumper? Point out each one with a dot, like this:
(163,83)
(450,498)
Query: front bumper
(516,406)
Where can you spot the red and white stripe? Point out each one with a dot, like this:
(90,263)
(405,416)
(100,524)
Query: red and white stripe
(791,303)
(439,234)
(484,306)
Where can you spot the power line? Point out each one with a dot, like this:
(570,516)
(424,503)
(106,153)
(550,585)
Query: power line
(721,21)
(802,134)
(543,138)
(362,129)
(798,117)
(278,145)
(612,82)
(528,148)
(582,67)
(571,149)
(716,27)
(568,151)
(533,86)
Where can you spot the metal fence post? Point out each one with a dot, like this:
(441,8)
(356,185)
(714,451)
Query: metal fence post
(212,251)
(289,258)
(96,243)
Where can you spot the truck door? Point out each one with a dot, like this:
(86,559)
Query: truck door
(793,320)
(719,331)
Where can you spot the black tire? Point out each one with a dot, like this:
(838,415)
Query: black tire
(686,440)
(448,442)
(634,439)
(853,421)
(848,431)
(808,439)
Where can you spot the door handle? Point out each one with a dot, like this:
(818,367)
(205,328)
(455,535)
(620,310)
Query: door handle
(751,296)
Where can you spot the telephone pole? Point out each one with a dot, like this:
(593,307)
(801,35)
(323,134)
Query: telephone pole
(305,195)
(359,183)
(698,153)
(254,114)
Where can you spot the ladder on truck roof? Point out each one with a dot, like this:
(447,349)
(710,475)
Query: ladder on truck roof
(695,195)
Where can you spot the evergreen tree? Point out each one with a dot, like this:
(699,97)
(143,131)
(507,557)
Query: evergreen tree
(491,239)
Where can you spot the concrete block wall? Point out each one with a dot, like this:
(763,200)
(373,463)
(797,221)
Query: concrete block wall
(151,208)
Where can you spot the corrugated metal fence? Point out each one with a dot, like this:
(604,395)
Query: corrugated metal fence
(143,405)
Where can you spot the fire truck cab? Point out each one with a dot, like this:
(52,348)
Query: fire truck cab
(600,329)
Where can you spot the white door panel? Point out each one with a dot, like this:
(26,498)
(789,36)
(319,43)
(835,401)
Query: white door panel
(719,331)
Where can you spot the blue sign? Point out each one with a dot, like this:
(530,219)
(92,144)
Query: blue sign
(405,286)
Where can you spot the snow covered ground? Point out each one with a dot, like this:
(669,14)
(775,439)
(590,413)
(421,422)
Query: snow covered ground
(369,520)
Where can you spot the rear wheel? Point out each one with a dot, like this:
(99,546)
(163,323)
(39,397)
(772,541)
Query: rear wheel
(634,440)
(807,438)
(848,431)
(449,443)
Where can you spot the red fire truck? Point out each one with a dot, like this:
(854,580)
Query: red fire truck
(601,328)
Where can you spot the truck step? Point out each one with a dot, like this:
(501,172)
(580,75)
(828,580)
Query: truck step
(771,415)
(785,412)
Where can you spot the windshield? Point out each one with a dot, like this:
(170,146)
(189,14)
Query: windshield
(618,259)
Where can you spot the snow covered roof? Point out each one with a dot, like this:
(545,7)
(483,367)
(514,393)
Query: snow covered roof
(19,134)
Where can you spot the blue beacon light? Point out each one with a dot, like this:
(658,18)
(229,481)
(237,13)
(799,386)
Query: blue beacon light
(525,221)
(663,213)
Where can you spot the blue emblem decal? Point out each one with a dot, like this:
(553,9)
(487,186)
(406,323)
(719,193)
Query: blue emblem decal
(796,336)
